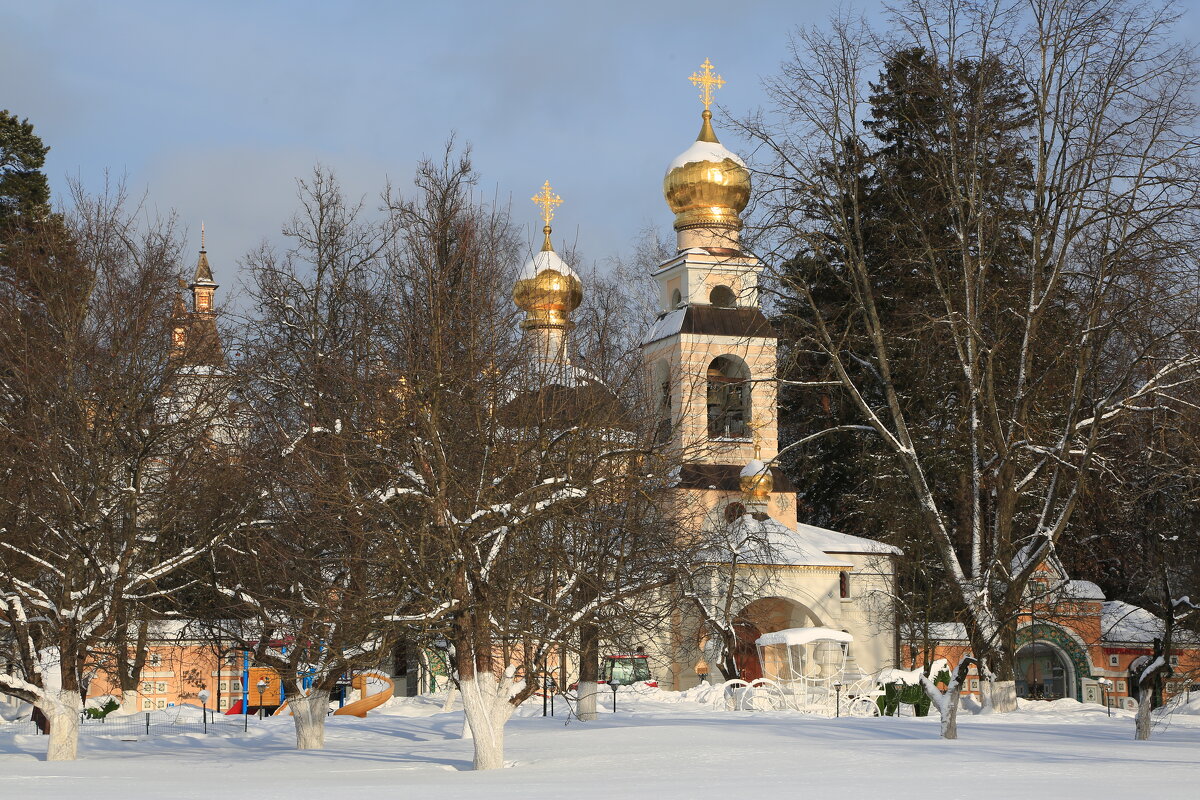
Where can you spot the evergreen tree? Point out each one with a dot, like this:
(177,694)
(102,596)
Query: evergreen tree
(24,190)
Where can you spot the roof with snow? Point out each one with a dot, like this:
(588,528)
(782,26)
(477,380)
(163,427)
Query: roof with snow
(1125,622)
(835,542)
(770,542)
(801,636)
(542,261)
(1083,590)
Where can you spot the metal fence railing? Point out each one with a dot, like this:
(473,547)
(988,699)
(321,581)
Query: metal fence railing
(147,724)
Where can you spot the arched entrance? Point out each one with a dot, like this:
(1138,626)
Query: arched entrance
(1044,672)
(766,615)
(1070,653)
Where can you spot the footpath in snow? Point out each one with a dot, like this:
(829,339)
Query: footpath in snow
(658,745)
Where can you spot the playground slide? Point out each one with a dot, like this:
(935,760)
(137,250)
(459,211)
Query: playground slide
(359,708)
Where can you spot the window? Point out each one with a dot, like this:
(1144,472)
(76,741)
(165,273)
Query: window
(1120,686)
(1114,660)
(224,703)
(160,703)
(1174,661)
(147,688)
(224,686)
(147,704)
(728,398)
(155,660)
(160,687)
(733,511)
(676,298)
(974,684)
(722,297)
(844,584)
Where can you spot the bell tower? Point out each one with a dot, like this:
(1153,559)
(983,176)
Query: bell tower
(711,353)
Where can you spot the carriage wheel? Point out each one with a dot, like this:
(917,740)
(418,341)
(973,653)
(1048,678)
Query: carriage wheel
(763,695)
(862,707)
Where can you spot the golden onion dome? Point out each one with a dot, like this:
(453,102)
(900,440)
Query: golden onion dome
(707,185)
(547,290)
(755,479)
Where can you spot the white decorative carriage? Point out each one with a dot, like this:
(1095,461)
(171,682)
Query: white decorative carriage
(804,669)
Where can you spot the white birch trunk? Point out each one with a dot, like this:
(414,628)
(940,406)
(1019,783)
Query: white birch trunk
(589,692)
(309,712)
(485,701)
(62,708)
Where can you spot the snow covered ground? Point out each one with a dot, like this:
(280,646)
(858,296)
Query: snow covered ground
(658,746)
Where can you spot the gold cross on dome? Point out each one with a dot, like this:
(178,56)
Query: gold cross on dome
(548,200)
(706,82)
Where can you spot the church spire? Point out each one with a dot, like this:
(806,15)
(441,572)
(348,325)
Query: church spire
(707,185)
(548,290)
(203,286)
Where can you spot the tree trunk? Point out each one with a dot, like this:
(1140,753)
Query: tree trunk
(1141,724)
(485,701)
(309,712)
(129,702)
(62,708)
(589,671)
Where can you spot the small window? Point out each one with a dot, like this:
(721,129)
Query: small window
(733,511)
(722,297)
(1114,661)
(224,686)
(147,688)
(1174,661)
(844,584)
(160,703)
(974,684)
(676,298)
(224,703)
(1120,686)
(155,660)
(147,705)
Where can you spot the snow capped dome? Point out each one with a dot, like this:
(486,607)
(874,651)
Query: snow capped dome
(756,479)
(547,290)
(545,260)
(707,186)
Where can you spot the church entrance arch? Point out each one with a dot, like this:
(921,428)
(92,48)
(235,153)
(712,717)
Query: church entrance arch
(766,615)
(1049,663)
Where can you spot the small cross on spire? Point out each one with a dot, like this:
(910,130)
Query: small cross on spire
(547,200)
(201,236)
(706,82)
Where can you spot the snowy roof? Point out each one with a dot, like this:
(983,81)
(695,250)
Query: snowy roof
(1125,622)
(784,545)
(705,151)
(938,632)
(834,542)
(669,324)
(754,467)
(1083,590)
(542,261)
(798,636)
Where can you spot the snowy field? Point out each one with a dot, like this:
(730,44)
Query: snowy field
(657,747)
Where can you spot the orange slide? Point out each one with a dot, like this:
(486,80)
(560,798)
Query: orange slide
(359,708)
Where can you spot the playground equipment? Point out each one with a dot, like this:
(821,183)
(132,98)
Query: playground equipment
(384,689)
(804,669)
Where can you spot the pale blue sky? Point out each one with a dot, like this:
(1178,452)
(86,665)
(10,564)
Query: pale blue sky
(215,108)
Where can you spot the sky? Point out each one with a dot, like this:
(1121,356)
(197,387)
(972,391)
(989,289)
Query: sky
(214,109)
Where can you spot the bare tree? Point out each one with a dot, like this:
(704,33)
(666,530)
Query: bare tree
(113,485)
(1045,236)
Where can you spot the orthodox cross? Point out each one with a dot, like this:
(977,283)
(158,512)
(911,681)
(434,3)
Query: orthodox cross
(548,200)
(707,82)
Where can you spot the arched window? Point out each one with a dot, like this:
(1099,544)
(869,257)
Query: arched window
(733,511)
(676,298)
(844,584)
(728,398)
(662,386)
(722,297)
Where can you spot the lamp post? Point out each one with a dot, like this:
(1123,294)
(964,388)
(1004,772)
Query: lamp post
(614,684)
(262,687)
(204,695)
(837,709)
(1105,687)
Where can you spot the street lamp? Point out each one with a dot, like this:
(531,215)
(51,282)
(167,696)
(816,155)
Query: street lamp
(1105,687)
(204,695)
(262,687)
(837,709)
(614,684)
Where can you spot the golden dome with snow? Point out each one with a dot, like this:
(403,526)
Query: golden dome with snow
(707,185)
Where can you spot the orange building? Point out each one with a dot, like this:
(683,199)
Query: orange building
(1071,642)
